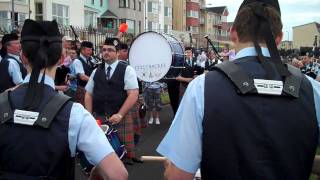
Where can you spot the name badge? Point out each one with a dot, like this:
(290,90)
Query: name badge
(268,87)
(25,117)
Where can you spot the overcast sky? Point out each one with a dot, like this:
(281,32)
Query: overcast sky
(294,12)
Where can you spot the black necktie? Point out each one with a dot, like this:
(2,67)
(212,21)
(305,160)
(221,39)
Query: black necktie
(108,72)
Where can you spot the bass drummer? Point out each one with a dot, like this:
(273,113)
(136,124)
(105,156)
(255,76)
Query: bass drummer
(187,73)
(112,90)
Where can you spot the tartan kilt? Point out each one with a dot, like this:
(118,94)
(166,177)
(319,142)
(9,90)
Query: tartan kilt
(80,93)
(126,134)
(136,118)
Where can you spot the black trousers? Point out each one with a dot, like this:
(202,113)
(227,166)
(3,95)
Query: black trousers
(173,90)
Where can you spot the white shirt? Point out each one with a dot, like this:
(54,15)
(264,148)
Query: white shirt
(84,134)
(130,78)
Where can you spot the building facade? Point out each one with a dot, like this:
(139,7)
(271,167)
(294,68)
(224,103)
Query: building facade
(93,9)
(158,15)
(304,35)
(179,15)
(126,11)
(21,12)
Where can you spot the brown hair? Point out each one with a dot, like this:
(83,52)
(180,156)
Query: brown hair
(246,23)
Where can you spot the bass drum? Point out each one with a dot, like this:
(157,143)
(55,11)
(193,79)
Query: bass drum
(155,56)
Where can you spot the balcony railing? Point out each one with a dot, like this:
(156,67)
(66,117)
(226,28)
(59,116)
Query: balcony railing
(6,25)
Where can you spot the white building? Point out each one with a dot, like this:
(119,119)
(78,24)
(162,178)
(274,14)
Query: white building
(21,12)
(70,12)
(158,15)
(66,12)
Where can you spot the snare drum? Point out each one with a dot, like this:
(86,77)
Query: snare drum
(115,142)
(155,56)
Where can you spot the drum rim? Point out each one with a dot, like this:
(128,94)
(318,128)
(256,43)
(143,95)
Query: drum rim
(173,53)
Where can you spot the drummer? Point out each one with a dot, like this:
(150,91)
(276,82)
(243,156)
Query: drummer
(187,73)
(112,90)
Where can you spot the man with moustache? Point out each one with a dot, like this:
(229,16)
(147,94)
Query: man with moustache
(84,66)
(12,71)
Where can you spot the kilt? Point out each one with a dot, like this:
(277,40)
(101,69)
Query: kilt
(126,134)
(80,93)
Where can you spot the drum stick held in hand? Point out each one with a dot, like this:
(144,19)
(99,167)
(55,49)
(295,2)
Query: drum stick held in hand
(153,158)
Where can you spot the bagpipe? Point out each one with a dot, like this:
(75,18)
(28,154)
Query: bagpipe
(215,51)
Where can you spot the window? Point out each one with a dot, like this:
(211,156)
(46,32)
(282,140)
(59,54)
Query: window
(60,13)
(139,24)
(22,17)
(152,26)
(4,15)
(153,7)
(193,14)
(39,11)
(131,25)
(193,29)
(124,3)
(90,18)
(167,11)
(134,4)
(139,5)
(101,3)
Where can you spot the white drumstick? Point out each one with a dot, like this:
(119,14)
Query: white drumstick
(153,158)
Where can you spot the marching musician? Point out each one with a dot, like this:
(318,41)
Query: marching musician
(233,122)
(42,129)
(111,92)
(12,70)
(84,65)
(187,73)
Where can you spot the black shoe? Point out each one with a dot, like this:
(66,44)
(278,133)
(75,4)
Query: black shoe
(136,160)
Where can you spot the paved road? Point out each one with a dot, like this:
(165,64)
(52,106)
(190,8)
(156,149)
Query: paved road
(150,140)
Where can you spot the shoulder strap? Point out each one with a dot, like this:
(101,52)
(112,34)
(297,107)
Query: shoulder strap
(51,109)
(238,77)
(293,82)
(5,107)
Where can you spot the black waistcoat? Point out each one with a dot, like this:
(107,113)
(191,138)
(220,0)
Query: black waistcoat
(33,150)
(6,81)
(87,71)
(255,137)
(109,95)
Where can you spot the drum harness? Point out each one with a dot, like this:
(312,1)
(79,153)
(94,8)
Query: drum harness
(29,118)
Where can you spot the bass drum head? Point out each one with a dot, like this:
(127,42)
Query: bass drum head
(150,56)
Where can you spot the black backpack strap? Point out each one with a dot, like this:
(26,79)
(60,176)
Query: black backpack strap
(293,82)
(51,109)
(5,107)
(239,77)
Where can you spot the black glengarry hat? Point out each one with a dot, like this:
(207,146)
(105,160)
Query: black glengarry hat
(112,42)
(9,37)
(86,44)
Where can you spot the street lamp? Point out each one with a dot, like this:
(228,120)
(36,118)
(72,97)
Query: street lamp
(12,13)
(288,35)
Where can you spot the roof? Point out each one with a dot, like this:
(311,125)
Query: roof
(317,24)
(217,10)
(108,14)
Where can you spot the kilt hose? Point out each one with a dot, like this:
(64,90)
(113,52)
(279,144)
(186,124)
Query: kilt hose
(80,93)
(126,134)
